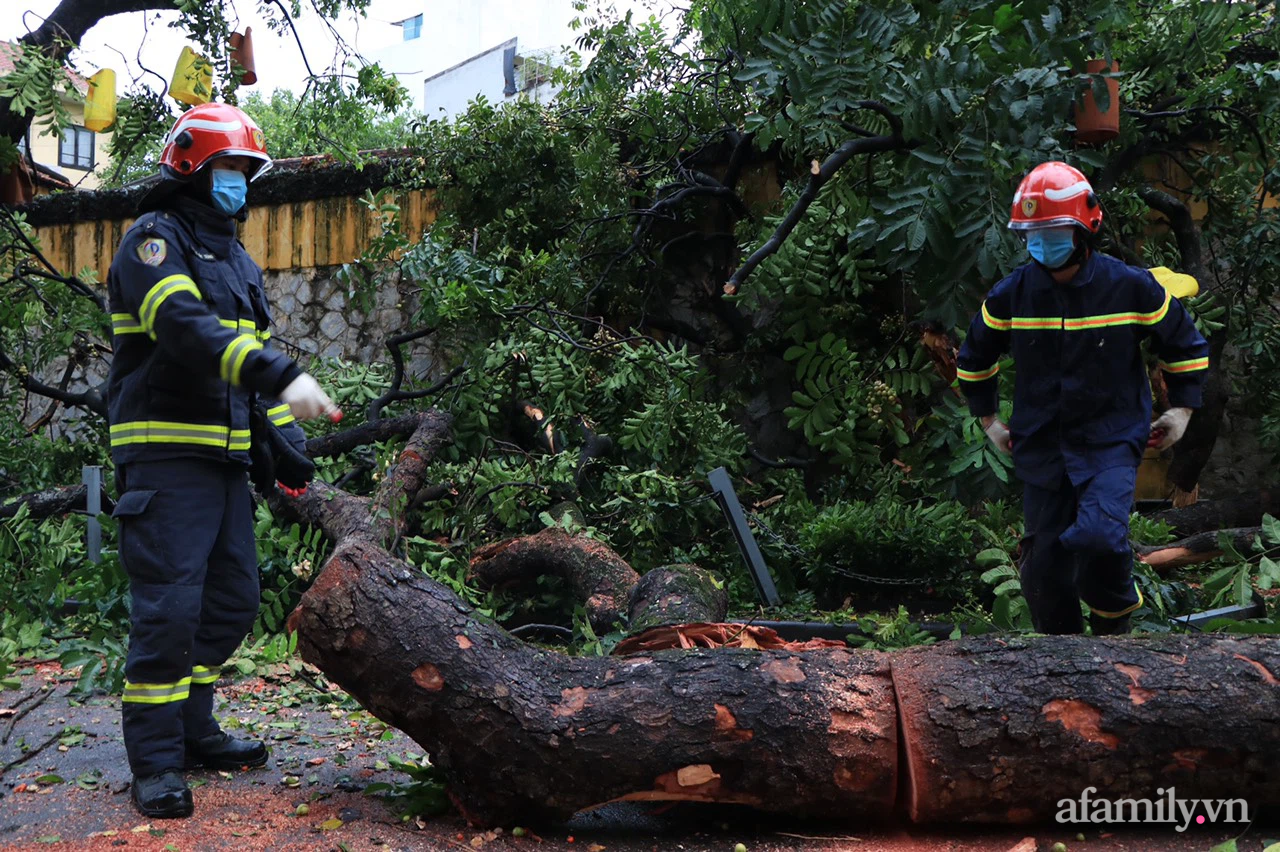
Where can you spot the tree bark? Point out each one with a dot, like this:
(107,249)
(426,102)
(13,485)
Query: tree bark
(1245,510)
(1200,547)
(55,501)
(1002,730)
(599,577)
(676,594)
(523,734)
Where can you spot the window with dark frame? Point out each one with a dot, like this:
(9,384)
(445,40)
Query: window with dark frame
(75,150)
(412,28)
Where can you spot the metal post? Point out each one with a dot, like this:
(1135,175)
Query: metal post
(751,554)
(92,475)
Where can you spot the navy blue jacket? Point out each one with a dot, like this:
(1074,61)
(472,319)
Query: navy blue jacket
(1082,398)
(191,334)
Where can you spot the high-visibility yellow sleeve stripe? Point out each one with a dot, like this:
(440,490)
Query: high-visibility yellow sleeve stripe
(1035,323)
(970,376)
(281,415)
(995,323)
(1124,611)
(264,334)
(243,326)
(205,674)
(156,693)
(233,357)
(125,324)
(1185,366)
(156,295)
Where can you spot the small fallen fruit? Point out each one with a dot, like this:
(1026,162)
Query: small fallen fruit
(518,832)
(1058,847)
(741,847)
(1080,837)
(303,810)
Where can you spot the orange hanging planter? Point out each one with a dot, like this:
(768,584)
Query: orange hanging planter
(1093,125)
(242,56)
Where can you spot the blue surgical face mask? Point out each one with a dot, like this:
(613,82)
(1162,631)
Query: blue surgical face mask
(1051,246)
(228,191)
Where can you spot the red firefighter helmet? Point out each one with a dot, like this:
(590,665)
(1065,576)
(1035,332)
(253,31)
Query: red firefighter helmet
(1052,195)
(206,132)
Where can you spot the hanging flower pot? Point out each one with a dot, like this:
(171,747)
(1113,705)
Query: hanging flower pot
(100,104)
(192,79)
(242,56)
(1092,124)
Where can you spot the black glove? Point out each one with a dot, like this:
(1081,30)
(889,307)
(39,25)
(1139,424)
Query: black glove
(262,467)
(293,470)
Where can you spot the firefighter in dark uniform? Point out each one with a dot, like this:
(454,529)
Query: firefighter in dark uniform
(193,363)
(1073,320)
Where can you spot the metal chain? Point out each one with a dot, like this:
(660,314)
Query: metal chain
(800,552)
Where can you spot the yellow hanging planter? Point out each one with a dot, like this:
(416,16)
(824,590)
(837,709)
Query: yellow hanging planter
(192,79)
(100,104)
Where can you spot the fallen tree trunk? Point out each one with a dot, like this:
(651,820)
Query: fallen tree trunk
(55,501)
(1200,547)
(1002,731)
(1245,510)
(991,729)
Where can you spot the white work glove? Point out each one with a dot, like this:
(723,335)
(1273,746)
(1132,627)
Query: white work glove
(306,399)
(1168,429)
(999,434)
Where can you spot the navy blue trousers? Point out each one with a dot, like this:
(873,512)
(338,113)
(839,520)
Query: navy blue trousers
(187,545)
(1077,548)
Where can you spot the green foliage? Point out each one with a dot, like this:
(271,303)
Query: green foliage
(886,537)
(887,634)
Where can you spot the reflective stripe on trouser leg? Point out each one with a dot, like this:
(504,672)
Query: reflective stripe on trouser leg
(230,602)
(164,547)
(1100,536)
(1048,570)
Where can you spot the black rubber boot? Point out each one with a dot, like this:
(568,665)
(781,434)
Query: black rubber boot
(1103,626)
(223,751)
(164,795)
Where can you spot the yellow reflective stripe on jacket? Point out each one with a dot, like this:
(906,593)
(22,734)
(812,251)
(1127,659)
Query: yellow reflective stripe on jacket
(265,334)
(994,323)
(1185,366)
(205,674)
(166,432)
(156,693)
(280,415)
(156,295)
(1122,613)
(970,376)
(125,324)
(234,355)
(243,326)
(1130,318)
(1034,323)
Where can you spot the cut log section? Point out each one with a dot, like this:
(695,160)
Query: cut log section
(1002,730)
(677,594)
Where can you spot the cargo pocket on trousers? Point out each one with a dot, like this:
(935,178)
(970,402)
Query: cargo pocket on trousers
(141,547)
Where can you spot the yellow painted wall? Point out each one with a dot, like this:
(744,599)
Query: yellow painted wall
(301,235)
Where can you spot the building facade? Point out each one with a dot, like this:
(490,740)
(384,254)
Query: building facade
(77,155)
(453,51)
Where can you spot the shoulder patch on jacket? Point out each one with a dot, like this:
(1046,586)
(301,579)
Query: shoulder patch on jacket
(152,251)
